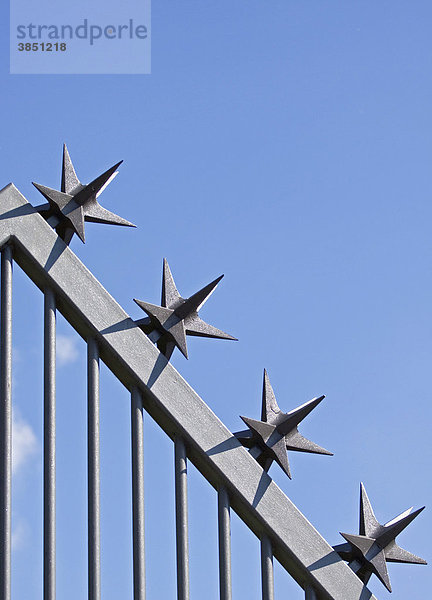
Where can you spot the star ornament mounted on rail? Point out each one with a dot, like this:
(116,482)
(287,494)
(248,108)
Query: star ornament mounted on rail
(169,324)
(68,209)
(277,432)
(369,552)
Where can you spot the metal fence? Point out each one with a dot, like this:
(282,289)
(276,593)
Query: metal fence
(155,386)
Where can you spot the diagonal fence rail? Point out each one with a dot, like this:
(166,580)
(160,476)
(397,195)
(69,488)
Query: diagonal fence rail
(155,386)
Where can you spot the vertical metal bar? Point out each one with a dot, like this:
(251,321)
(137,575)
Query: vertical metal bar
(93,458)
(310,593)
(49,451)
(224,526)
(138,494)
(181,519)
(6,423)
(267,569)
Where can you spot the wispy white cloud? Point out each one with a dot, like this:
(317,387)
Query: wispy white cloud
(24,449)
(24,442)
(20,533)
(67,351)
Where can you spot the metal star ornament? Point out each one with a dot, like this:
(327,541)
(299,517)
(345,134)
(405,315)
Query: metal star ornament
(169,324)
(68,209)
(277,432)
(369,552)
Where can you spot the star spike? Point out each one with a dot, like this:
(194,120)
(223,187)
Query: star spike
(395,553)
(376,545)
(169,324)
(296,441)
(296,416)
(170,293)
(196,327)
(379,565)
(92,190)
(270,409)
(196,301)
(75,203)
(270,438)
(405,513)
(368,522)
(390,532)
(69,181)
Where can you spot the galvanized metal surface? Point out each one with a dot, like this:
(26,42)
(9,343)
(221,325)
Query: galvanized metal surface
(6,423)
(137,438)
(93,470)
(173,404)
(49,451)
(224,530)
(277,432)
(267,576)
(67,209)
(182,529)
(169,324)
(375,545)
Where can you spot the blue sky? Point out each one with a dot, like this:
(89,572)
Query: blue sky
(288,145)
